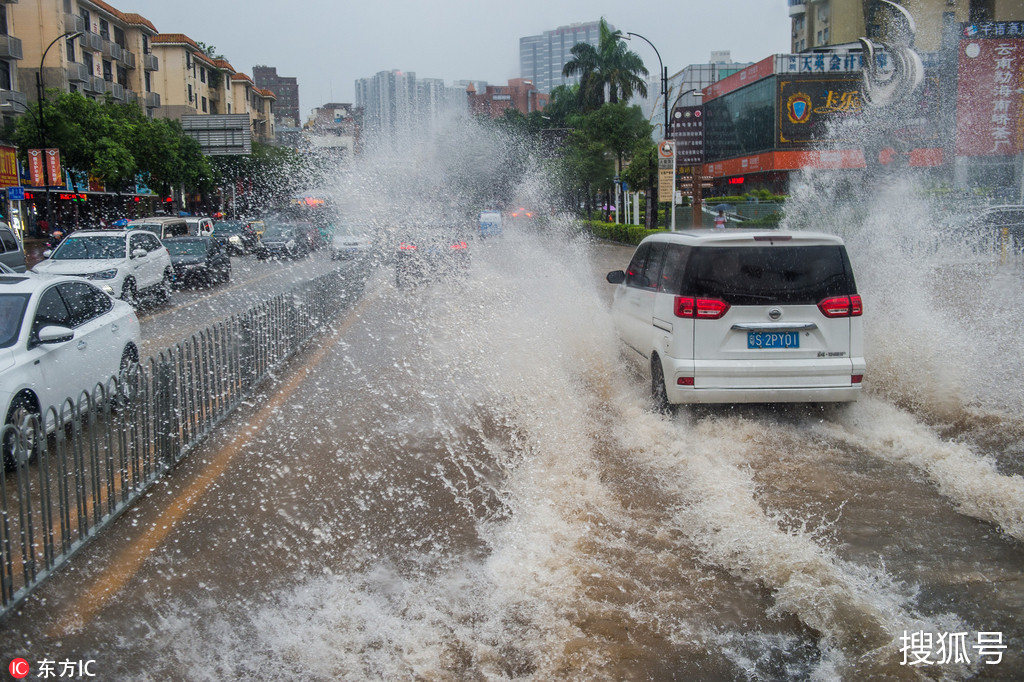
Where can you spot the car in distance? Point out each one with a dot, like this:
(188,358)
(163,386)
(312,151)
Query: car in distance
(163,227)
(743,316)
(127,264)
(199,226)
(429,252)
(281,240)
(59,336)
(12,253)
(198,261)
(350,241)
(238,236)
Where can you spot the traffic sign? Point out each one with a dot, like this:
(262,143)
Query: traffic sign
(16,193)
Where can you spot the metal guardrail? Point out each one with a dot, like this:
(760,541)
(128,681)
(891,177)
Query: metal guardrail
(83,463)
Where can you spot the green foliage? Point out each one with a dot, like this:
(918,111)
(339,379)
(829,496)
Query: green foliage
(616,232)
(115,142)
(610,67)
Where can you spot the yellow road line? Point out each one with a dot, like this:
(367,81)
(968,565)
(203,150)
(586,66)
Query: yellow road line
(123,567)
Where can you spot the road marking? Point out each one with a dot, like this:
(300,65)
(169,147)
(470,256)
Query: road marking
(128,562)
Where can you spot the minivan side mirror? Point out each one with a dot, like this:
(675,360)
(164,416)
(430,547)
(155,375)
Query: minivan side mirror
(139,253)
(616,277)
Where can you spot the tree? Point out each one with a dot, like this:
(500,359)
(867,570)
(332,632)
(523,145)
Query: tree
(610,67)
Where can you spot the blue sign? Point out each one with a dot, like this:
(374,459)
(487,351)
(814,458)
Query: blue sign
(16,194)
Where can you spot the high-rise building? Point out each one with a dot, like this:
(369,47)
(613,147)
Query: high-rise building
(393,101)
(541,58)
(285,88)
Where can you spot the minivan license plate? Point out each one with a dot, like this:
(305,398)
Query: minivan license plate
(773,339)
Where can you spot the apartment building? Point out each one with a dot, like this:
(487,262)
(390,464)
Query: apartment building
(285,88)
(13,102)
(110,55)
(194,83)
(827,24)
(256,102)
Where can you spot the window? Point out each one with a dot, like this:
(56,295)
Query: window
(204,105)
(145,44)
(5,76)
(69,47)
(119,36)
(51,310)
(7,241)
(3,19)
(635,271)
(202,74)
(84,301)
(148,89)
(190,98)
(108,70)
(105,29)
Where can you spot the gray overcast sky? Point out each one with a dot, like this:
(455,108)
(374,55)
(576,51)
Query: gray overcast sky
(328,44)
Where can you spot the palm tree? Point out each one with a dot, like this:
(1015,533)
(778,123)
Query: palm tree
(609,66)
(586,61)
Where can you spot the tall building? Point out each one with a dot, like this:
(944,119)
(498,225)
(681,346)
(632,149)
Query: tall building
(286,88)
(827,24)
(541,58)
(394,101)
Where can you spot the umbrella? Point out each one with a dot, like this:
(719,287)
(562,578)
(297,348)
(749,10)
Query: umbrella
(120,222)
(728,208)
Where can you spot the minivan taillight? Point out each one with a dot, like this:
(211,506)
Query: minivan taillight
(700,308)
(842,306)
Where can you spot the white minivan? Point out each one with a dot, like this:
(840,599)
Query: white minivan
(743,316)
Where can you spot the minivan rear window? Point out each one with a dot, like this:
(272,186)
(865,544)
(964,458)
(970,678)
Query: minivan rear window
(766,275)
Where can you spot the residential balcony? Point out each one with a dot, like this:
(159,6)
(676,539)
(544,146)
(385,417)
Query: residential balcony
(10,48)
(116,90)
(152,100)
(131,96)
(150,62)
(112,50)
(797,7)
(95,85)
(93,41)
(78,73)
(128,58)
(73,22)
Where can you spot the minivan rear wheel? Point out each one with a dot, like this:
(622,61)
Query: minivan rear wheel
(658,391)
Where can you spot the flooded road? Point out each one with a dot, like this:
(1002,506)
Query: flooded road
(466,480)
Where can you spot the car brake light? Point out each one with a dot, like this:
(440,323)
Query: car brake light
(685,381)
(406,247)
(842,306)
(700,308)
(856,378)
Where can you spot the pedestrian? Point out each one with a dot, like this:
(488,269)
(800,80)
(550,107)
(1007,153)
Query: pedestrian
(720,219)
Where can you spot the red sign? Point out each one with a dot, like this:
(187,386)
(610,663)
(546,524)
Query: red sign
(751,74)
(8,166)
(53,166)
(989,106)
(36,171)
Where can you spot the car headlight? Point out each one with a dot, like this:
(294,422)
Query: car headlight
(103,274)
(235,239)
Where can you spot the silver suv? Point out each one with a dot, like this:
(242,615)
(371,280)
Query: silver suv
(743,316)
(127,264)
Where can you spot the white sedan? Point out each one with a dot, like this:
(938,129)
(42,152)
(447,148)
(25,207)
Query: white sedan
(59,336)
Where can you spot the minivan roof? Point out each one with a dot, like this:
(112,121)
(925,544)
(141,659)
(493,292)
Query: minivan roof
(156,219)
(743,237)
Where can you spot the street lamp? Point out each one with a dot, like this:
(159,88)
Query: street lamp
(664,77)
(664,99)
(70,35)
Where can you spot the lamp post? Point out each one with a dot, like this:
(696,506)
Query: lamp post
(664,100)
(70,35)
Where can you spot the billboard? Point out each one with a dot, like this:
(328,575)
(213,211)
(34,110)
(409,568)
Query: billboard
(686,128)
(8,166)
(808,105)
(990,83)
(220,134)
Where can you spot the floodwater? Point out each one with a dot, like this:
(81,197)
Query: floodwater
(465,480)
